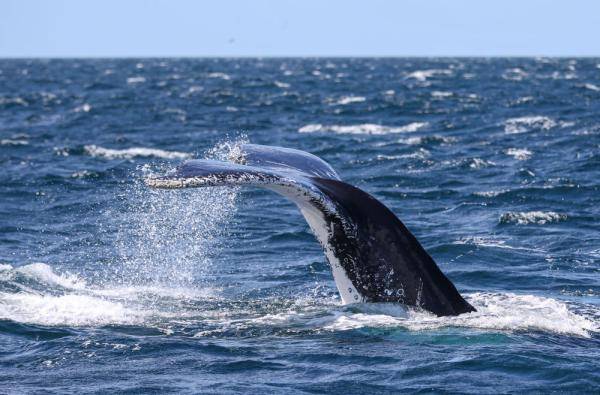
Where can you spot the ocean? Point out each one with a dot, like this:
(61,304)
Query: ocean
(107,286)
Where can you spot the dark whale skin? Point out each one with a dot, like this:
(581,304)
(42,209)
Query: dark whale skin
(382,258)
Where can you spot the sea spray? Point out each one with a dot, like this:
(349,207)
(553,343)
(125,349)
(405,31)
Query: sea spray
(168,238)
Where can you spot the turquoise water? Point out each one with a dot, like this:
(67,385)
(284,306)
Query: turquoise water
(107,286)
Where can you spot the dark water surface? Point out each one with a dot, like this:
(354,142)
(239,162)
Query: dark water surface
(106,286)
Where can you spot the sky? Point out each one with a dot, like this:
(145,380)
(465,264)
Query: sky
(199,28)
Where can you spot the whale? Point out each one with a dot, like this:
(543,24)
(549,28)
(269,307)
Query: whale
(373,256)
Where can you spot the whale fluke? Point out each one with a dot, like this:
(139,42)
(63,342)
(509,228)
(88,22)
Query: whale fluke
(373,256)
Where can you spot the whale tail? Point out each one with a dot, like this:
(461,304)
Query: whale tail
(373,256)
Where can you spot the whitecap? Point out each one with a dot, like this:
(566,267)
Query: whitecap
(14,100)
(423,75)
(515,74)
(531,217)
(66,299)
(136,80)
(43,273)
(527,123)
(83,108)
(523,99)
(441,94)
(220,75)
(71,310)
(365,128)
(491,193)
(342,101)
(592,87)
(282,85)
(478,163)
(133,152)
(519,153)
(14,142)
(82,174)
(418,140)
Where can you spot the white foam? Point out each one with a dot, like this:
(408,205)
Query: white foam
(83,108)
(282,85)
(423,75)
(365,128)
(441,94)
(50,298)
(220,75)
(14,142)
(133,152)
(532,217)
(135,80)
(592,87)
(515,74)
(342,101)
(71,310)
(519,153)
(14,100)
(43,273)
(68,301)
(418,140)
(524,124)
(478,163)
(497,312)
(486,241)
(523,99)
(491,193)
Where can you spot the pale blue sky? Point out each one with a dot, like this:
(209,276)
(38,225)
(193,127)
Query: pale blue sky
(82,28)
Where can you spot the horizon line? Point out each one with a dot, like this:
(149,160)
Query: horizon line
(91,57)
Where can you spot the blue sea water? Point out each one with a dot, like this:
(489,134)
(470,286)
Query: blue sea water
(107,286)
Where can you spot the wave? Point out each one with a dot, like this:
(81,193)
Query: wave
(282,85)
(365,128)
(525,124)
(531,217)
(519,153)
(592,87)
(6,101)
(134,152)
(478,163)
(441,94)
(83,108)
(480,241)
(14,142)
(45,297)
(515,74)
(135,80)
(491,193)
(348,100)
(53,299)
(504,312)
(423,75)
(222,76)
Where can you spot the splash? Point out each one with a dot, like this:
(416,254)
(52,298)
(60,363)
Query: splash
(504,312)
(169,238)
(35,294)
